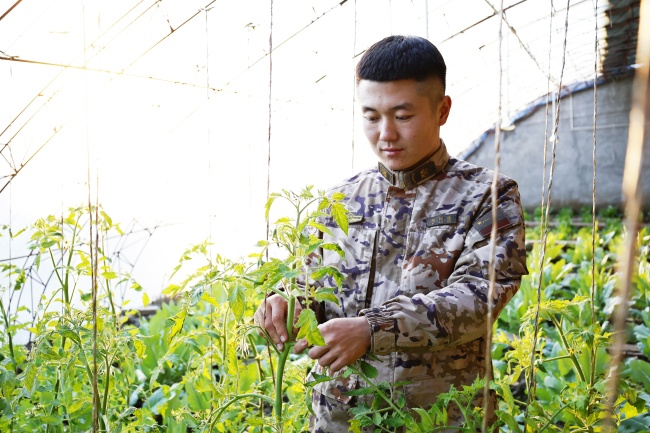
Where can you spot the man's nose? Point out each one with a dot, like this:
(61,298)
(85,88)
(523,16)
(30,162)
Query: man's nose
(387,131)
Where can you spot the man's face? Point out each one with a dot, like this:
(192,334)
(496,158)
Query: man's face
(401,121)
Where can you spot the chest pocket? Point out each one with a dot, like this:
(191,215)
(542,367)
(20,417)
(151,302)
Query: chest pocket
(431,255)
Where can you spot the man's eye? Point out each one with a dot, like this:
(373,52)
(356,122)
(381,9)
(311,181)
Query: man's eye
(403,117)
(371,118)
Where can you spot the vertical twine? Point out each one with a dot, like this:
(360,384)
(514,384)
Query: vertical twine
(594,228)
(268,167)
(546,211)
(493,235)
(94,239)
(639,114)
(532,383)
(208,139)
(268,161)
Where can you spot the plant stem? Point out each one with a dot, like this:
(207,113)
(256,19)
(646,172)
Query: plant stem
(67,274)
(572,355)
(9,338)
(551,418)
(235,398)
(282,361)
(377,390)
(107,378)
(260,370)
(556,358)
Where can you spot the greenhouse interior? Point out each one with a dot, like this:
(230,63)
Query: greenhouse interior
(325,216)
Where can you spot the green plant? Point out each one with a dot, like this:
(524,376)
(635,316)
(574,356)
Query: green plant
(200,365)
(81,362)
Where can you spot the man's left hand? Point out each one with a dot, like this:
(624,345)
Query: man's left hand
(346,340)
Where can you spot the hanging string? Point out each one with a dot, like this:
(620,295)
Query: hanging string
(493,235)
(639,115)
(208,138)
(268,150)
(532,383)
(268,167)
(546,215)
(594,228)
(93,228)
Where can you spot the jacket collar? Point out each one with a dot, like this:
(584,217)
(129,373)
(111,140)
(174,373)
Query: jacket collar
(407,179)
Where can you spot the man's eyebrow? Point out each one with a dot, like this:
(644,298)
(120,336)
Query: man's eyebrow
(404,106)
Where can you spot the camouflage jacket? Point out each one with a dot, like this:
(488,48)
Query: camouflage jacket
(417,267)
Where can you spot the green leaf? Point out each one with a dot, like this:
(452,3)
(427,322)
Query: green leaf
(359,391)
(66,332)
(209,299)
(51,419)
(393,422)
(368,370)
(325,294)
(107,218)
(318,378)
(321,227)
(640,372)
(140,348)
(425,419)
(145,299)
(637,424)
(268,205)
(79,404)
(340,215)
(20,280)
(509,420)
(109,275)
(309,328)
(333,247)
(237,301)
(178,321)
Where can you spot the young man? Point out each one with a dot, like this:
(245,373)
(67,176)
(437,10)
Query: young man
(418,248)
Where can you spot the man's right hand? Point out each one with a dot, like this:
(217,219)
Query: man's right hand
(271,315)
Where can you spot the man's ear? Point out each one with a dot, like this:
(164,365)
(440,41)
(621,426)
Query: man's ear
(445,108)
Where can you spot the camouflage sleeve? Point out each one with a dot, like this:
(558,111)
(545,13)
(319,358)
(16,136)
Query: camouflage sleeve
(457,313)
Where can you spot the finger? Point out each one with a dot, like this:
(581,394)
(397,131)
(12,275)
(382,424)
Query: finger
(300,346)
(279,326)
(266,321)
(326,359)
(317,352)
(336,366)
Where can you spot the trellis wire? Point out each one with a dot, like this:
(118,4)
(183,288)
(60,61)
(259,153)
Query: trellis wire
(545,218)
(639,114)
(85,69)
(493,235)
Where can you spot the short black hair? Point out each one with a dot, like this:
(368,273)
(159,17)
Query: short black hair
(401,57)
